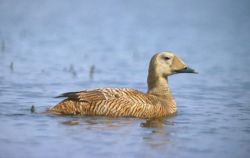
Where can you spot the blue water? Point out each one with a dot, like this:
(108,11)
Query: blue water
(47,48)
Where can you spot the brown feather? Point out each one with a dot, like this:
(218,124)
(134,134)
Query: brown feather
(108,102)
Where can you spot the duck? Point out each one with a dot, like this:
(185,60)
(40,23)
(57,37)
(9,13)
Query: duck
(157,102)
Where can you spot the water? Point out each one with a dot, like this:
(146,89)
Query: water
(48,48)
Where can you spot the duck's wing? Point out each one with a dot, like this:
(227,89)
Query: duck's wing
(108,94)
(84,96)
(105,101)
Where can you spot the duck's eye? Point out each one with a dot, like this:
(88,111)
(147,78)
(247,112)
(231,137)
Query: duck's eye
(166,58)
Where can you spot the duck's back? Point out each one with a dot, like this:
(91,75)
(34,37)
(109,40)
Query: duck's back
(114,102)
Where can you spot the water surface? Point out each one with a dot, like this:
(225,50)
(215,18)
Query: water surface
(47,48)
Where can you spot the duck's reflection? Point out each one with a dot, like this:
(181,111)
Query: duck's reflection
(117,122)
(154,133)
(153,123)
(104,122)
(159,137)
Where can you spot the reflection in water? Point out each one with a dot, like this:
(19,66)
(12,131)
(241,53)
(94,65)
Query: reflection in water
(158,137)
(153,123)
(110,122)
(71,123)
(106,122)
(155,134)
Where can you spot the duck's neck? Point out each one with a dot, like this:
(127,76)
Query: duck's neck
(158,86)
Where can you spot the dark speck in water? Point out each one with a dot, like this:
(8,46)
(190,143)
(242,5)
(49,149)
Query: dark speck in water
(32,109)
(72,70)
(3,46)
(91,71)
(12,66)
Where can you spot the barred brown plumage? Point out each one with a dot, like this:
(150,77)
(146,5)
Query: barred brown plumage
(127,102)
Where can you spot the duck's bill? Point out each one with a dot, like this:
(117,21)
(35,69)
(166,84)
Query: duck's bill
(186,70)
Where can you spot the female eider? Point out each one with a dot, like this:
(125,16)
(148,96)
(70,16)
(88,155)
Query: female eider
(126,102)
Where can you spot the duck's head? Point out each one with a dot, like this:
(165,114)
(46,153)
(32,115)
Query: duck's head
(166,63)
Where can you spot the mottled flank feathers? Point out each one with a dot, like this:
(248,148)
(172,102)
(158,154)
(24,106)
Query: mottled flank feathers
(114,102)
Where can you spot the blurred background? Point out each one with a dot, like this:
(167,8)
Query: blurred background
(50,47)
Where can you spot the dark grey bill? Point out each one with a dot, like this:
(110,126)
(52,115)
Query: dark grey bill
(186,70)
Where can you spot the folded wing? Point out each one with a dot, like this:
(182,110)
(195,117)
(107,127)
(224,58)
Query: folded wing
(106,102)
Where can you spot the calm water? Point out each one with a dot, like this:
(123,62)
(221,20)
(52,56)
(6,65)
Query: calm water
(48,48)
